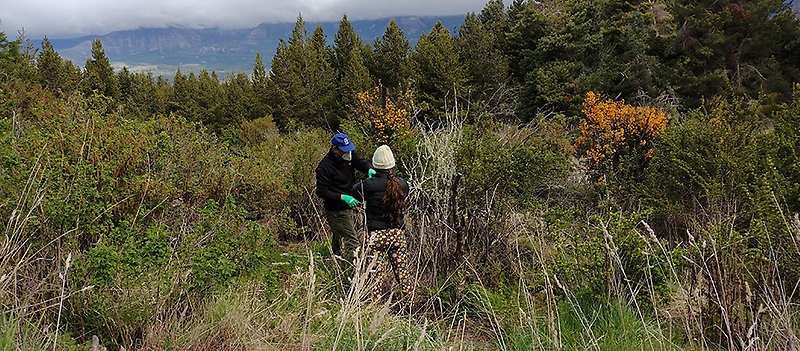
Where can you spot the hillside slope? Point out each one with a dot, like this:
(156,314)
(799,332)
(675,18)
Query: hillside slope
(164,50)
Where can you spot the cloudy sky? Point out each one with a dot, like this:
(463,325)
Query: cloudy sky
(70,18)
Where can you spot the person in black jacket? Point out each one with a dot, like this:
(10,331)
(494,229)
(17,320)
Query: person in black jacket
(385,194)
(335,178)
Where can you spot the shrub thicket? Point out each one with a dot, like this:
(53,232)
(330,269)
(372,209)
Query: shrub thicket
(176,214)
(152,213)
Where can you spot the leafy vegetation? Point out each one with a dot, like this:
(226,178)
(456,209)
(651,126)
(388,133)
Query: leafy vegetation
(615,136)
(627,180)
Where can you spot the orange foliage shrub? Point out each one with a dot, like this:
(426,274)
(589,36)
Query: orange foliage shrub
(387,118)
(613,130)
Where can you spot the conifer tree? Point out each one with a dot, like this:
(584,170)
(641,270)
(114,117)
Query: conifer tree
(236,103)
(180,97)
(352,73)
(730,47)
(495,19)
(9,54)
(208,98)
(389,63)
(525,25)
(163,95)
(259,72)
(439,73)
(137,93)
(98,75)
(277,97)
(53,72)
(24,65)
(48,67)
(552,41)
(301,79)
(71,77)
(322,83)
(260,80)
(562,49)
(487,68)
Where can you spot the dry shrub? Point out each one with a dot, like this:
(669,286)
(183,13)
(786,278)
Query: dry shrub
(466,180)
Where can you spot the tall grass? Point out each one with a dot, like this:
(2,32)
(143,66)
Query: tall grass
(32,285)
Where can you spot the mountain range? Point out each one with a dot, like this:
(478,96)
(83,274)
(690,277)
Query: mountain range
(163,51)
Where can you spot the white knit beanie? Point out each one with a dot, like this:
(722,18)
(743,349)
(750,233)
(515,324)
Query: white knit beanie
(383,158)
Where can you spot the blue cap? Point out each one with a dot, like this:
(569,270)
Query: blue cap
(342,141)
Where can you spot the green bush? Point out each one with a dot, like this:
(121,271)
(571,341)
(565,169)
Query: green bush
(288,162)
(712,165)
(716,182)
(467,183)
(786,154)
(223,246)
(504,170)
(139,277)
(155,212)
(513,164)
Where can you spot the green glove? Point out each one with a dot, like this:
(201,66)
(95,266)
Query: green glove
(371,173)
(349,200)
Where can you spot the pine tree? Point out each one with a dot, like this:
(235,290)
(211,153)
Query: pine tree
(352,73)
(53,72)
(24,66)
(389,63)
(98,75)
(562,49)
(208,97)
(730,47)
(9,54)
(490,85)
(495,19)
(260,80)
(301,79)
(439,73)
(277,85)
(163,95)
(322,81)
(48,67)
(236,103)
(259,72)
(525,25)
(137,93)
(181,100)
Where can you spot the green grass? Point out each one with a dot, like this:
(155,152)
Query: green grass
(595,326)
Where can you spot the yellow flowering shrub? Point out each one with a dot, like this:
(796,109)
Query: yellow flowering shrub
(387,118)
(614,130)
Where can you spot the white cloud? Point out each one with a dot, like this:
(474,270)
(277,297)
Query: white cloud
(70,18)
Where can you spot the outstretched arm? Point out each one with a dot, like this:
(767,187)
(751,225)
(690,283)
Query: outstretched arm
(360,163)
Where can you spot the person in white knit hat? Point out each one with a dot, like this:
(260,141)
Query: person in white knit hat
(385,194)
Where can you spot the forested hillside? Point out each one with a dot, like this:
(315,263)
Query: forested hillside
(163,50)
(583,174)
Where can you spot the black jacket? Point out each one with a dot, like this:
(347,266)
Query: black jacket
(336,176)
(372,190)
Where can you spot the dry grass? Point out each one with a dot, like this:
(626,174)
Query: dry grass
(21,288)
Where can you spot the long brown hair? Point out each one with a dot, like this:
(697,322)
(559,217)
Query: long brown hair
(393,199)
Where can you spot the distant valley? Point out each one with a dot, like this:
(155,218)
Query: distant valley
(163,51)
